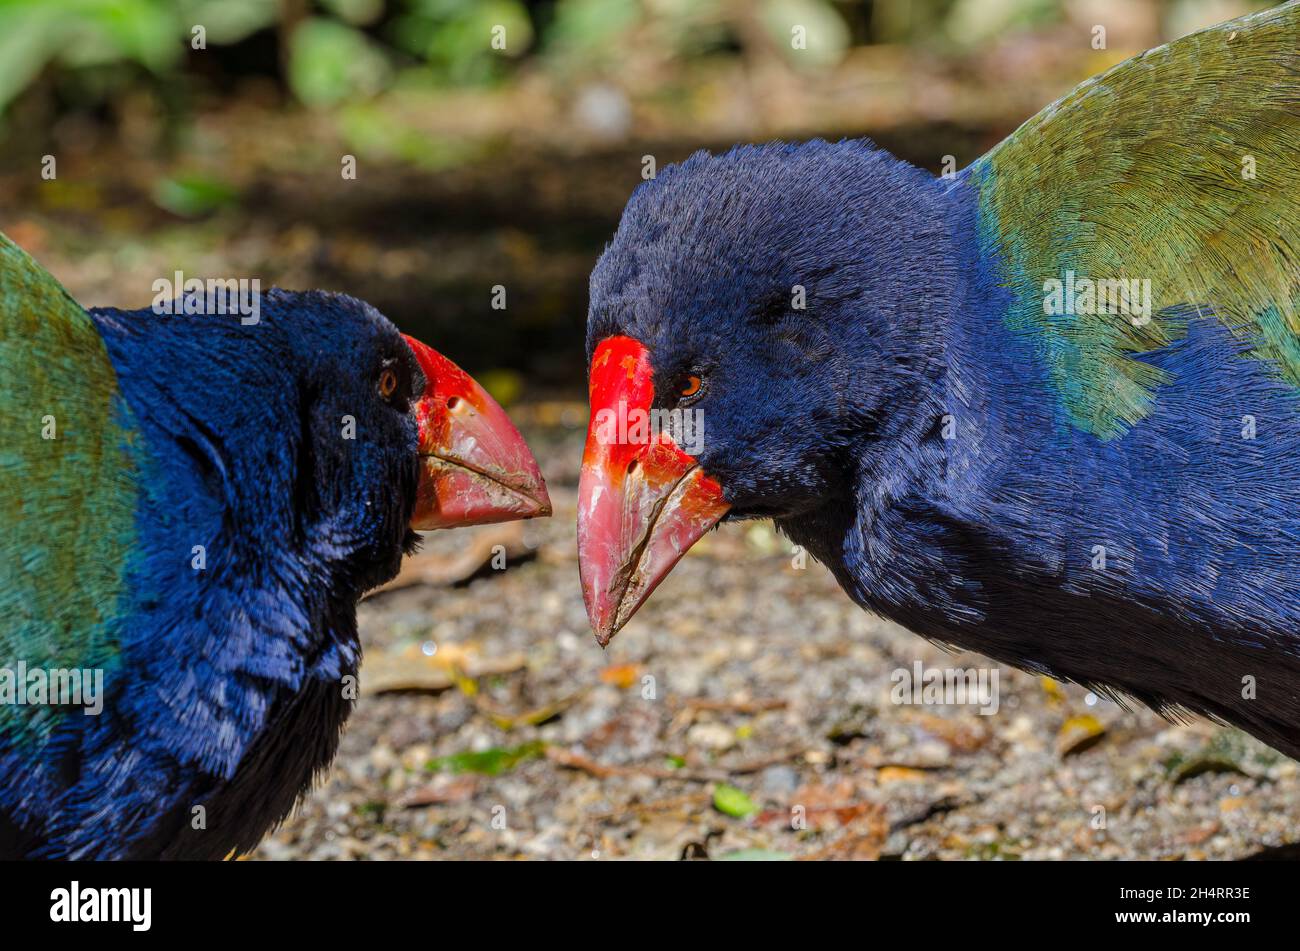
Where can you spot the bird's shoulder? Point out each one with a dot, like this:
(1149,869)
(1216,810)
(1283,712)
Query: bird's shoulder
(1161,189)
(68,486)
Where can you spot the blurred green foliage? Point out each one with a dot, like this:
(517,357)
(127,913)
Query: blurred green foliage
(331,62)
(82,34)
(190,196)
(334,53)
(456,37)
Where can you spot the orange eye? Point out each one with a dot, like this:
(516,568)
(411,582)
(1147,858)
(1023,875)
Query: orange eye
(691,385)
(387,384)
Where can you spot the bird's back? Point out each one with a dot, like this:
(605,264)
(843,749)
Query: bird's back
(68,494)
(1122,501)
(217,653)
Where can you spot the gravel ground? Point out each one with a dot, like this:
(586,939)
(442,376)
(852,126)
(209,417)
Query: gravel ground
(746,711)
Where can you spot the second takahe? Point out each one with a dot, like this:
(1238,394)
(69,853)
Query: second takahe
(1047,409)
(190,507)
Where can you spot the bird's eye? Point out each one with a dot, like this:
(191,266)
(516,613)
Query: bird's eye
(690,386)
(387,384)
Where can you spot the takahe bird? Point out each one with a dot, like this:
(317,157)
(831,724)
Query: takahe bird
(190,507)
(942,390)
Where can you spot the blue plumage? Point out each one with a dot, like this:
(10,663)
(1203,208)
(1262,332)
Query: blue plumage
(913,434)
(193,504)
(256,527)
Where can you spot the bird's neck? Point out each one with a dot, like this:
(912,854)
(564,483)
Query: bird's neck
(976,466)
(232,603)
(1134,562)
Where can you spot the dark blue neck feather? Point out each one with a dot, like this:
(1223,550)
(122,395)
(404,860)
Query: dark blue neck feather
(994,539)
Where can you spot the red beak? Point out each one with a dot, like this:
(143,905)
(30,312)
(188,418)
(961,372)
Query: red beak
(474,466)
(642,500)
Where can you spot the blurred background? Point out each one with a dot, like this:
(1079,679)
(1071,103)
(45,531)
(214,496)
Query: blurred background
(482,157)
(422,154)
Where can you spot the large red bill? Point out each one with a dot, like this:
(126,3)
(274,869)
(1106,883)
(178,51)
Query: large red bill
(474,466)
(642,500)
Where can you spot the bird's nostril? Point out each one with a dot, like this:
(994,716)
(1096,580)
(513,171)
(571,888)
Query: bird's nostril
(632,467)
(453,402)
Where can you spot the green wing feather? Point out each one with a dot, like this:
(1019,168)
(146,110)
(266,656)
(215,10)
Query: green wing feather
(1180,166)
(67,503)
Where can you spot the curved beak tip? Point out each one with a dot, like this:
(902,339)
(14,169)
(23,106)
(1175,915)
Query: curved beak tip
(475,466)
(642,500)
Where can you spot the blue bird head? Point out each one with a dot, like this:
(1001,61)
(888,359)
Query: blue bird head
(316,436)
(778,305)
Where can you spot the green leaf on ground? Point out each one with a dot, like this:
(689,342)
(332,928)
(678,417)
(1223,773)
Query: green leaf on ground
(490,762)
(755,855)
(733,802)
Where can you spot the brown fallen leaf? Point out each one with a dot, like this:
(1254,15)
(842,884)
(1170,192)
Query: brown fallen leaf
(412,670)
(959,733)
(1078,734)
(862,841)
(842,814)
(816,795)
(735,706)
(577,761)
(1087,839)
(505,720)
(1200,833)
(900,774)
(447,790)
(572,760)
(681,806)
(441,570)
(623,676)
(690,708)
